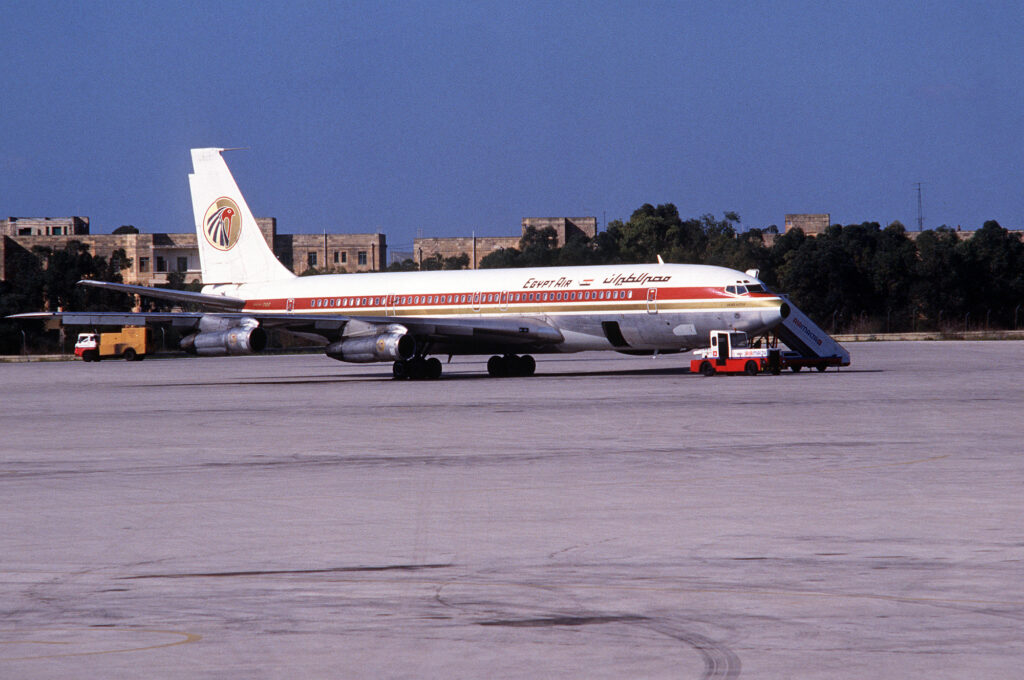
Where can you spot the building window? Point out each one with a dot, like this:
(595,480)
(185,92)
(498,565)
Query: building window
(311,259)
(344,257)
(143,264)
(182,264)
(161,264)
(361,255)
(336,257)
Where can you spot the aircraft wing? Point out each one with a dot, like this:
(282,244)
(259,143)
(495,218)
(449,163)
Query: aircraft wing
(213,302)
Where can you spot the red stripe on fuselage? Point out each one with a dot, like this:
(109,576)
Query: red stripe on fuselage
(480,298)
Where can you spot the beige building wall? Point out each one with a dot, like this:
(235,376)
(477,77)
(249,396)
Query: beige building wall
(810,223)
(565,227)
(44,226)
(425,248)
(336,253)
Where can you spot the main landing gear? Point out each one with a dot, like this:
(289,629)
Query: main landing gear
(422,368)
(417,368)
(511,365)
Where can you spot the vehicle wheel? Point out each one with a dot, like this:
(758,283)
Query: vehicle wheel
(706,369)
(497,367)
(750,368)
(822,367)
(129,354)
(432,368)
(795,369)
(89,355)
(400,370)
(140,357)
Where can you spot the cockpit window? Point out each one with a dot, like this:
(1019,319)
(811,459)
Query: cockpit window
(755,288)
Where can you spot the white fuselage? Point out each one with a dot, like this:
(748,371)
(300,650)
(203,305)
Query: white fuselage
(665,307)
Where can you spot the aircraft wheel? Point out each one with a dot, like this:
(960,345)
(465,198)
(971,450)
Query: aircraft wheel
(497,367)
(750,368)
(822,367)
(706,369)
(527,365)
(795,369)
(432,368)
(400,370)
(417,368)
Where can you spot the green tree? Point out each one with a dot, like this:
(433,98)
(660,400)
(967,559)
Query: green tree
(406,265)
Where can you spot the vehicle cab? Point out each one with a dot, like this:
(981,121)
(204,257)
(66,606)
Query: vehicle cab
(86,342)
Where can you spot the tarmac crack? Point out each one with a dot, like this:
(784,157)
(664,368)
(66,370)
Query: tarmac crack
(291,572)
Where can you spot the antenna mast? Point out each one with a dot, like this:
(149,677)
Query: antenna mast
(920,215)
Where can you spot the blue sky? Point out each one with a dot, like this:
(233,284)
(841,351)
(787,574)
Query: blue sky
(444,118)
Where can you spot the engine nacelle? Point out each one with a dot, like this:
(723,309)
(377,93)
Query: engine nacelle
(236,340)
(395,345)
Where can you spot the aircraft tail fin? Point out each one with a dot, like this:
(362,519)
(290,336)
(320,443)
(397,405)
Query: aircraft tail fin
(232,249)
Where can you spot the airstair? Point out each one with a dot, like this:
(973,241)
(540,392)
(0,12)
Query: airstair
(809,345)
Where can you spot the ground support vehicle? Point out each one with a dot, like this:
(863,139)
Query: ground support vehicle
(729,354)
(131,343)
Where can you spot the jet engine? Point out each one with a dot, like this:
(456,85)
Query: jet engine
(392,345)
(219,336)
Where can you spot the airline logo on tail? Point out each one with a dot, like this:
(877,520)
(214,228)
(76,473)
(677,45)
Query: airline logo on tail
(223,224)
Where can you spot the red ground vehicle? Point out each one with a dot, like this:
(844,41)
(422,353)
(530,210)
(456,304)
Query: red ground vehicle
(730,354)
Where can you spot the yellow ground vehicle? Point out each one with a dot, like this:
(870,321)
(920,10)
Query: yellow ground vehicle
(132,343)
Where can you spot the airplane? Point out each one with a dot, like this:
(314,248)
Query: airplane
(411,318)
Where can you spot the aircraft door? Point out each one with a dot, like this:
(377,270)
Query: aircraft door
(652,300)
(289,305)
(389,305)
(476,301)
(503,301)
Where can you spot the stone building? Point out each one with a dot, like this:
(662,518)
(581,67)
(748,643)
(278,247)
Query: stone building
(565,227)
(155,256)
(44,226)
(812,224)
(476,247)
(479,247)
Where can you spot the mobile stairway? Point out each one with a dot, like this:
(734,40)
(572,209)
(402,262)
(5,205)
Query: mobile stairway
(808,344)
